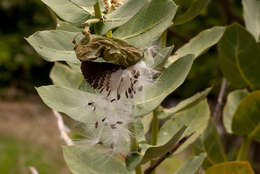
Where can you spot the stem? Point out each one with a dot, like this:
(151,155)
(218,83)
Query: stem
(155,131)
(243,151)
(221,95)
(134,146)
(98,13)
(163,39)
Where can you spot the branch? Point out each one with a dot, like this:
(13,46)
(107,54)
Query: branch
(167,155)
(33,170)
(63,129)
(221,95)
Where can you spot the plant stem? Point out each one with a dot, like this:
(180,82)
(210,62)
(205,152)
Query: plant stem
(243,151)
(98,13)
(155,131)
(217,110)
(163,39)
(134,146)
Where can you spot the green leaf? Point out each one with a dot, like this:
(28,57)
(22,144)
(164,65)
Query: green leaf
(147,25)
(121,15)
(160,149)
(54,45)
(61,25)
(85,3)
(233,100)
(170,79)
(231,168)
(132,160)
(161,58)
(72,102)
(194,118)
(234,54)
(210,143)
(68,11)
(194,10)
(185,104)
(90,160)
(198,44)
(62,75)
(251,15)
(246,120)
(192,165)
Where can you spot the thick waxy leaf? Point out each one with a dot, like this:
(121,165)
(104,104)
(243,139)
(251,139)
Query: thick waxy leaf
(194,118)
(68,11)
(72,102)
(246,120)
(231,168)
(233,100)
(252,15)
(85,3)
(90,160)
(198,44)
(194,10)
(192,165)
(171,78)
(210,143)
(121,15)
(61,25)
(147,25)
(185,104)
(64,76)
(54,45)
(161,58)
(239,61)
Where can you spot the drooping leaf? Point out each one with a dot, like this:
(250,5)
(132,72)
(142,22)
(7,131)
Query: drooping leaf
(54,45)
(68,11)
(64,76)
(90,160)
(121,15)
(210,143)
(246,120)
(192,165)
(251,10)
(185,104)
(194,118)
(147,25)
(233,100)
(234,56)
(194,10)
(170,79)
(198,44)
(241,167)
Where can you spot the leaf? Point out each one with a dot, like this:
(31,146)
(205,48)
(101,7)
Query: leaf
(61,25)
(85,3)
(72,102)
(210,143)
(192,165)
(194,118)
(90,160)
(234,54)
(54,45)
(233,100)
(198,44)
(246,120)
(185,104)
(241,167)
(132,160)
(62,75)
(121,15)
(147,25)
(170,79)
(194,10)
(251,10)
(161,58)
(68,11)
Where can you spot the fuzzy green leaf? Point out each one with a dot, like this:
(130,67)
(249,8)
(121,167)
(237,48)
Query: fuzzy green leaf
(252,15)
(54,45)
(147,25)
(234,54)
(194,10)
(233,100)
(198,44)
(68,11)
(192,165)
(246,121)
(90,160)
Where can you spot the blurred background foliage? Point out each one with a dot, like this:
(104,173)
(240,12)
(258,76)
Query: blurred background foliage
(22,68)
